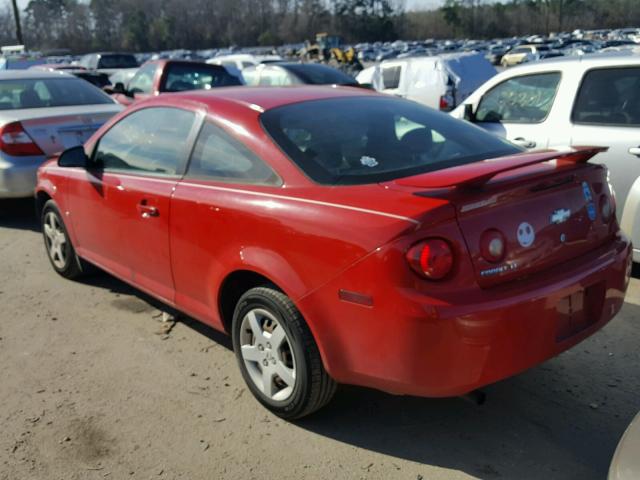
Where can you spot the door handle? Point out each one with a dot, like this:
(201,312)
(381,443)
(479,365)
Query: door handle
(147,211)
(523,142)
(635,151)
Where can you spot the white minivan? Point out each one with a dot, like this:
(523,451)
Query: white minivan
(572,101)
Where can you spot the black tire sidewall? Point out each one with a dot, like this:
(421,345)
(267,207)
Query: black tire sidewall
(254,299)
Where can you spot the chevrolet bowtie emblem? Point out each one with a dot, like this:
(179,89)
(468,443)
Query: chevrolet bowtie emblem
(560,216)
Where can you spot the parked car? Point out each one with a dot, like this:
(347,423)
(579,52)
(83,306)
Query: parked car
(108,62)
(572,101)
(523,53)
(283,74)
(43,113)
(626,463)
(440,82)
(241,61)
(165,76)
(343,236)
(98,79)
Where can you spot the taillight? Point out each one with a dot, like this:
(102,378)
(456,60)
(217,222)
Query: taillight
(15,141)
(606,208)
(432,258)
(492,245)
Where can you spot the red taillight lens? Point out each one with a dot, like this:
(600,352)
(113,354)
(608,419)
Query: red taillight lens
(492,245)
(606,208)
(15,141)
(444,103)
(431,258)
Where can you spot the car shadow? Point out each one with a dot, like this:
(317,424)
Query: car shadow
(19,214)
(562,419)
(101,279)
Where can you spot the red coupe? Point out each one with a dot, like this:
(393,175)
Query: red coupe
(343,236)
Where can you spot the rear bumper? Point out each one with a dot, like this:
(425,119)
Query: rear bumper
(18,175)
(422,348)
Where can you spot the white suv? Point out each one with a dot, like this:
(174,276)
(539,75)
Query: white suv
(588,100)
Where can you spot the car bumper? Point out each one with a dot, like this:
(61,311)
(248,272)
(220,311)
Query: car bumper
(18,175)
(421,348)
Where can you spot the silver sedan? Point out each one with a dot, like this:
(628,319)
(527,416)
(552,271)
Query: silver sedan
(42,113)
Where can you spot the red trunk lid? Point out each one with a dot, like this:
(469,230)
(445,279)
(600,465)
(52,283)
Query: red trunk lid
(548,213)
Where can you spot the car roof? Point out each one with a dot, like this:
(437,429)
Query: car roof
(32,74)
(593,59)
(265,98)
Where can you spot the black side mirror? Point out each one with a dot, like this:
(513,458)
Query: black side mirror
(469,114)
(73,157)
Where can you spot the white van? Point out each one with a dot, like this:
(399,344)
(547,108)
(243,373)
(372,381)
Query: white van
(440,82)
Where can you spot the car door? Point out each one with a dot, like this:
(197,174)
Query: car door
(121,216)
(607,112)
(209,213)
(519,109)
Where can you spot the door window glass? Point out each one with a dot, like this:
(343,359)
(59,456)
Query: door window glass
(274,77)
(151,141)
(523,99)
(219,156)
(142,81)
(609,96)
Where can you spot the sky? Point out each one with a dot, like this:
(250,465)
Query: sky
(411,4)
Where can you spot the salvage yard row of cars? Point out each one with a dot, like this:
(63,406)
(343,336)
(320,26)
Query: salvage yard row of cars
(338,234)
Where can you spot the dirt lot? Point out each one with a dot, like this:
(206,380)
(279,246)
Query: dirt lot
(91,388)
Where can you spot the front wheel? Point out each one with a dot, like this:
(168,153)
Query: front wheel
(278,356)
(61,253)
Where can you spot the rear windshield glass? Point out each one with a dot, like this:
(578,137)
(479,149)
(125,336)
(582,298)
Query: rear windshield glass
(117,61)
(361,140)
(49,92)
(319,74)
(183,77)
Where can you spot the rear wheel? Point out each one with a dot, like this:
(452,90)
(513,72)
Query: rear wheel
(278,356)
(61,253)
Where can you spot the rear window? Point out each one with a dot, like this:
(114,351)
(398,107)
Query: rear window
(49,92)
(360,140)
(319,74)
(609,96)
(117,61)
(181,77)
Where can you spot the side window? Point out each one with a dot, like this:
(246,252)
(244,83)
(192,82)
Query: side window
(391,77)
(523,99)
(151,141)
(251,76)
(218,156)
(142,81)
(609,96)
(275,77)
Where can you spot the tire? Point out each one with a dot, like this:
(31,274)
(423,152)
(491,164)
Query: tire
(287,395)
(60,251)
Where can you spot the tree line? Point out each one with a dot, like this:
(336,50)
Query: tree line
(152,25)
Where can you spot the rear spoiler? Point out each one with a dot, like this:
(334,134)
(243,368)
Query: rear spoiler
(475,175)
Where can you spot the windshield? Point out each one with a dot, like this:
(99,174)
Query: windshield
(117,61)
(320,74)
(183,77)
(371,139)
(49,92)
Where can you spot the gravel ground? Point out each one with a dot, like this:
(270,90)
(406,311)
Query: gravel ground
(92,386)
